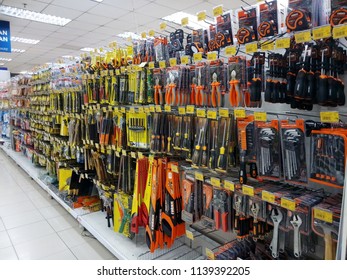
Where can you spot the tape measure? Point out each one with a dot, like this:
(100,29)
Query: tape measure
(298,20)
(338,16)
(245,35)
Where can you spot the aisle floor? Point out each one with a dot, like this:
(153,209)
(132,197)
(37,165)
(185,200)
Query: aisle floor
(34,226)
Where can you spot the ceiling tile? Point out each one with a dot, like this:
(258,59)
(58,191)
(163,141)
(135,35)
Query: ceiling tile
(42,26)
(180,5)
(106,31)
(120,25)
(127,5)
(62,12)
(63,37)
(79,25)
(31,33)
(156,11)
(99,20)
(31,5)
(15,21)
(138,19)
(107,11)
(73,31)
(75,4)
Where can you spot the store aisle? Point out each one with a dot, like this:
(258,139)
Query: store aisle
(34,226)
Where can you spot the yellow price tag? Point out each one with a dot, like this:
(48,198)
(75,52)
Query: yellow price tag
(201,113)
(162,26)
(197,56)
(211,56)
(230,50)
(184,21)
(329,117)
(122,109)
(162,64)
(174,168)
(209,254)
(217,11)
(140,109)
(260,116)
(173,61)
(340,31)
(146,109)
(267,196)
(185,59)
(248,190)
(321,32)
(201,15)
(132,110)
(122,69)
(215,182)
(158,108)
(167,108)
(251,47)
(130,50)
(229,186)
(189,235)
(124,152)
(268,46)
(133,154)
(181,110)
(151,65)
(151,108)
(323,215)
(303,37)
(190,109)
(224,112)
(143,35)
(282,43)
(212,114)
(151,33)
(288,204)
(199,176)
(240,113)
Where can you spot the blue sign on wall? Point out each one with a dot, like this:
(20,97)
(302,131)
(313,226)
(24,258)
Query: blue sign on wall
(5,36)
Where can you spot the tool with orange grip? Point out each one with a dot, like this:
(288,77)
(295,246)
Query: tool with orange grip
(193,92)
(216,96)
(200,99)
(221,211)
(170,95)
(234,93)
(243,171)
(158,95)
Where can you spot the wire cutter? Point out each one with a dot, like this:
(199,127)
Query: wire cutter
(170,96)
(234,94)
(158,96)
(200,94)
(216,95)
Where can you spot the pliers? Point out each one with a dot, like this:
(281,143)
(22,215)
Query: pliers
(200,94)
(234,93)
(216,96)
(170,96)
(158,96)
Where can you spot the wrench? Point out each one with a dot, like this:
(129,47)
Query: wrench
(276,217)
(296,223)
(255,211)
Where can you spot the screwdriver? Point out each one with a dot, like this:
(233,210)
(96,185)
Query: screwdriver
(222,158)
(332,89)
(196,154)
(269,81)
(242,173)
(255,88)
(291,77)
(212,160)
(311,83)
(322,85)
(300,83)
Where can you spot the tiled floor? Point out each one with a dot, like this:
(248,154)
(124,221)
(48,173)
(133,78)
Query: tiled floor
(34,226)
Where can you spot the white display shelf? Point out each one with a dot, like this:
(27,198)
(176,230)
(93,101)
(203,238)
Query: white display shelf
(119,245)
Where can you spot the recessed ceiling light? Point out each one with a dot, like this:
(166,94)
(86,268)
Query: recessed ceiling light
(24,40)
(17,50)
(30,15)
(87,49)
(126,35)
(5,59)
(192,20)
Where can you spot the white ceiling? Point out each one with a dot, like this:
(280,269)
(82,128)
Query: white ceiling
(93,25)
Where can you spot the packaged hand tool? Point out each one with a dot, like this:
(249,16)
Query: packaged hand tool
(256,83)
(222,209)
(247,32)
(221,33)
(338,12)
(328,156)
(224,135)
(236,76)
(201,98)
(326,221)
(242,223)
(268,19)
(188,212)
(217,77)
(293,151)
(299,15)
(200,141)
(196,42)
(268,150)
(137,130)
(122,214)
(257,210)
(208,204)
(175,45)
(244,249)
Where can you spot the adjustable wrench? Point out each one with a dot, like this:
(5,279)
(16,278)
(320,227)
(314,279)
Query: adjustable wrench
(255,211)
(296,223)
(276,217)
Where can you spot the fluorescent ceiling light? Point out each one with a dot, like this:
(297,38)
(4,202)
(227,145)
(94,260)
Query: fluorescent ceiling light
(17,50)
(24,40)
(5,59)
(192,20)
(87,49)
(126,35)
(99,1)
(1,64)
(30,15)
(26,72)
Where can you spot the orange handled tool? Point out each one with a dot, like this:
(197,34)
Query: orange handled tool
(170,96)
(234,93)
(216,96)
(193,91)
(200,94)
(158,96)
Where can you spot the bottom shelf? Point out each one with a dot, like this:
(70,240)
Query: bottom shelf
(95,223)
